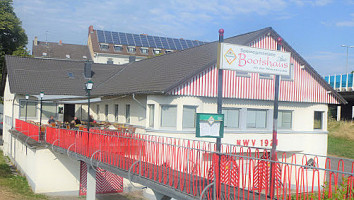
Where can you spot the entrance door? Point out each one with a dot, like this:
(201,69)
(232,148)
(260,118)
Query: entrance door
(69,112)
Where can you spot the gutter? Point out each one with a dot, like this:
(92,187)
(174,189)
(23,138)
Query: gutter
(142,105)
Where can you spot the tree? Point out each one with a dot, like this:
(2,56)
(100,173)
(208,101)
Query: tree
(13,38)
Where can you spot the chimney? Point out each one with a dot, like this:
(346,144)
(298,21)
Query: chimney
(60,42)
(131,59)
(87,70)
(35,41)
(90,29)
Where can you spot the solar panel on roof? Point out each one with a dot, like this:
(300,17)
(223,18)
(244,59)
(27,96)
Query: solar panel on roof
(130,39)
(108,37)
(171,43)
(115,37)
(151,41)
(123,38)
(164,43)
(158,42)
(184,44)
(144,41)
(178,44)
(137,40)
(100,37)
(189,43)
(195,43)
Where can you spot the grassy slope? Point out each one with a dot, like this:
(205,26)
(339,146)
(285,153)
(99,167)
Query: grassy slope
(13,186)
(341,138)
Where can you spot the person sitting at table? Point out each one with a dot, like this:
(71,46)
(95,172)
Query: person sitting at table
(51,120)
(76,121)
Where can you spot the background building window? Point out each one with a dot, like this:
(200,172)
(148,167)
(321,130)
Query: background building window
(231,117)
(98,112)
(116,112)
(31,109)
(131,49)
(144,50)
(285,119)
(118,48)
(151,115)
(168,116)
(110,61)
(157,51)
(168,51)
(49,109)
(256,118)
(104,47)
(127,113)
(318,120)
(106,112)
(188,120)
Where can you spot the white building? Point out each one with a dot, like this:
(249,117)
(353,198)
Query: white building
(163,94)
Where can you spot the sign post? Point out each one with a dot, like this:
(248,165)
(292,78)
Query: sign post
(248,59)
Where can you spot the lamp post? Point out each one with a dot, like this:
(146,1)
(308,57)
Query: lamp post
(40,115)
(27,97)
(88,87)
(347,46)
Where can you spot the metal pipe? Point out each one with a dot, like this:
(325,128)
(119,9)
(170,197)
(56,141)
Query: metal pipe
(142,105)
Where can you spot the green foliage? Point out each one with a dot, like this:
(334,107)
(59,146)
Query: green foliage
(13,38)
(342,147)
(340,192)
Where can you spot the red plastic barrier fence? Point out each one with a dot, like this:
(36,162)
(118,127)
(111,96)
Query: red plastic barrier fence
(189,166)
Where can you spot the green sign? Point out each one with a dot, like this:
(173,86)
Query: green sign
(210,125)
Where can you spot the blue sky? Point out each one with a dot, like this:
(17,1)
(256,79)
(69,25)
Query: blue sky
(314,28)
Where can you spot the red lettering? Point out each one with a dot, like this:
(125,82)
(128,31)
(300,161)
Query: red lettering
(245,142)
(266,142)
(253,142)
(242,60)
(238,142)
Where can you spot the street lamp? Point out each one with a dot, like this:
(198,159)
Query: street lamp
(88,87)
(347,46)
(40,116)
(27,97)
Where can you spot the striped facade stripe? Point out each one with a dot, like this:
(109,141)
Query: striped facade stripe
(303,88)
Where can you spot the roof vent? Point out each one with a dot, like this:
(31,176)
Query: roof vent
(87,70)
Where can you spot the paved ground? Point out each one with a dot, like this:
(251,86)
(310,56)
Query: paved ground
(138,195)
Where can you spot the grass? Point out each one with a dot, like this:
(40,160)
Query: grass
(14,186)
(341,138)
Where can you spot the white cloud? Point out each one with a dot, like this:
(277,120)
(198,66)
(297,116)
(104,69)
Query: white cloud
(312,2)
(347,23)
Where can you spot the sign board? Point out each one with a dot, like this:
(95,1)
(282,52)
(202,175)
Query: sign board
(210,125)
(249,59)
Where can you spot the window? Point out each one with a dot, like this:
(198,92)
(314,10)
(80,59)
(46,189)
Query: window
(31,109)
(49,109)
(144,50)
(104,47)
(231,117)
(168,51)
(188,120)
(157,51)
(291,74)
(318,120)
(285,119)
(116,112)
(131,49)
(127,113)
(98,112)
(67,56)
(44,54)
(84,57)
(256,118)
(242,74)
(266,76)
(168,116)
(110,61)
(106,112)
(118,48)
(151,115)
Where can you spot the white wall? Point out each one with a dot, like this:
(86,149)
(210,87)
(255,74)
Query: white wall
(117,59)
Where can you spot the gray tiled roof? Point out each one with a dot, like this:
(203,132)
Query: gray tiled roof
(59,51)
(153,75)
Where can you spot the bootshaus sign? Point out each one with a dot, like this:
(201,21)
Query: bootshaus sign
(248,59)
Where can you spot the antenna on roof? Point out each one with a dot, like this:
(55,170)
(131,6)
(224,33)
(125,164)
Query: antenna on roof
(46,37)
